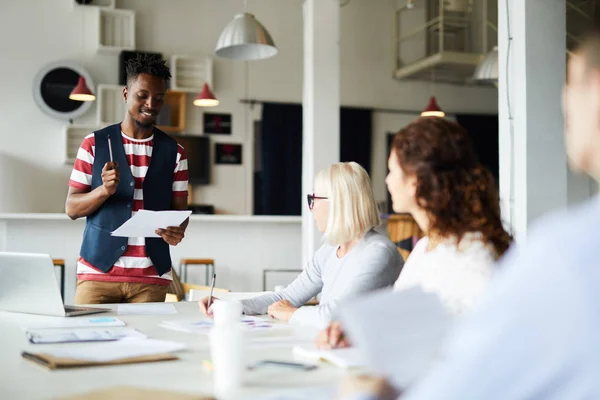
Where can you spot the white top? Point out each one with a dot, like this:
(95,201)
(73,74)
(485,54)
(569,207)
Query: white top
(535,333)
(458,275)
(373,263)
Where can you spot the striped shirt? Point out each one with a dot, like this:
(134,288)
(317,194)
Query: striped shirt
(134,265)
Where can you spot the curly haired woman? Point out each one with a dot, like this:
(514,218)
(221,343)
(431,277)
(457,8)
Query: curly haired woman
(434,175)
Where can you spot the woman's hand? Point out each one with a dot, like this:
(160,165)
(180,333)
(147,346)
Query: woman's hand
(282,310)
(376,387)
(205,308)
(332,337)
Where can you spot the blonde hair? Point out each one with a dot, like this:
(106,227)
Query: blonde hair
(352,208)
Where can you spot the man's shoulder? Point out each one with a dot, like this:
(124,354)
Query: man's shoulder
(574,225)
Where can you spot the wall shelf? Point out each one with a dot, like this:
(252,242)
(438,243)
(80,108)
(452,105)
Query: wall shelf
(173,112)
(74,135)
(191,73)
(116,30)
(110,4)
(110,104)
(111,109)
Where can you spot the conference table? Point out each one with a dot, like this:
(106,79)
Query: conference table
(23,379)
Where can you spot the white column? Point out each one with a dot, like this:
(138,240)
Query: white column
(321,103)
(533,164)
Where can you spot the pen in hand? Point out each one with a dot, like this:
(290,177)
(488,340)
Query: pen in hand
(212,288)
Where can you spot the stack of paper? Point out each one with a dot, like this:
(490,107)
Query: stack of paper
(43,336)
(79,322)
(399,334)
(342,358)
(305,393)
(122,349)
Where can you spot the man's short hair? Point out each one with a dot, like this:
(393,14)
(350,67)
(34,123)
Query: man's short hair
(147,64)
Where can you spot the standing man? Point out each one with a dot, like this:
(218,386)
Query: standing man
(141,168)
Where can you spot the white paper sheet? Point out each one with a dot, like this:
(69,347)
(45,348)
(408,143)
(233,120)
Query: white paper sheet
(75,322)
(341,358)
(305,393)
(110,351)
(145,223)
(399,334)
(206,324)
(42,336)
(146,309)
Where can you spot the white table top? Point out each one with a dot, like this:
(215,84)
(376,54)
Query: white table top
(23,379)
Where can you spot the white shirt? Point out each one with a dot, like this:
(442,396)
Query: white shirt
(457,274)
(535,333)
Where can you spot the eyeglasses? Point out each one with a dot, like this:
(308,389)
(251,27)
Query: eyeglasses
(311,200)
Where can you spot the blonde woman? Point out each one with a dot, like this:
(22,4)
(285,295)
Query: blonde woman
(354,258)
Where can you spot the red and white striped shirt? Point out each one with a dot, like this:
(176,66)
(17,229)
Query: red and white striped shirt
(134,265)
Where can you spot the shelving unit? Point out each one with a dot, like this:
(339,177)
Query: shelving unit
(116,30)
(110,4)
(110,107)
(111,110)
(191,73)
(174,105)
(74,135)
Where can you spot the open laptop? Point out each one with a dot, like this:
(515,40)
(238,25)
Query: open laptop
(28,285)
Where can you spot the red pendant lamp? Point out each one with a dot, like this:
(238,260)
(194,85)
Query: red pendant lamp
(82,92)
(432,109)
(206,98)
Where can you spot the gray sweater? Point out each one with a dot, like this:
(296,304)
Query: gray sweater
(373,263)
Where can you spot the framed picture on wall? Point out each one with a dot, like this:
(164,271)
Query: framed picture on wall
(228,153)
(217,124)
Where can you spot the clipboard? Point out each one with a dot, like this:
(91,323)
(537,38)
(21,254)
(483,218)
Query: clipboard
(52,363)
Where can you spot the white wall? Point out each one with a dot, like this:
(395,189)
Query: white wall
(35,140)
(239,262)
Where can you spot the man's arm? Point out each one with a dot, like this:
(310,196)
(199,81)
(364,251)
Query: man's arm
(81,202)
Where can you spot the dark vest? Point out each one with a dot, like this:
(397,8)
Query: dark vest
(101,249)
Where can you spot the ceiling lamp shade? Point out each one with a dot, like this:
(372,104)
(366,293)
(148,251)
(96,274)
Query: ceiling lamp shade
(82,92)
(487,71)
(244,38)
(432,109)
(206,98)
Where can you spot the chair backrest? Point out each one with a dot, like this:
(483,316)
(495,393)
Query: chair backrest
(171,298)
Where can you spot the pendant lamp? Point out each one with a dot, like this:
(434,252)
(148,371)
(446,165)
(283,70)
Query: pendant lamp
(206,98)
(432,109)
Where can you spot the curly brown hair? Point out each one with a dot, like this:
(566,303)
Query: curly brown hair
(457,192)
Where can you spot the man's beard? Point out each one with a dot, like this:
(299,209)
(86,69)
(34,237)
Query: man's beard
(141,124)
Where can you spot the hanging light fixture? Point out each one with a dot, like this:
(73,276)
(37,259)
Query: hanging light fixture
(432,109)
(206,98)
(244,38)
(487,71)
(82,92)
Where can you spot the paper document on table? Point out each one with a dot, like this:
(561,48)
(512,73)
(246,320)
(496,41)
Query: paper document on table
(43,336)
(403,338)
(206,324)
(146,309)
(74,322)
(121,349)
(341,358)
(305,393)
(145,223)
